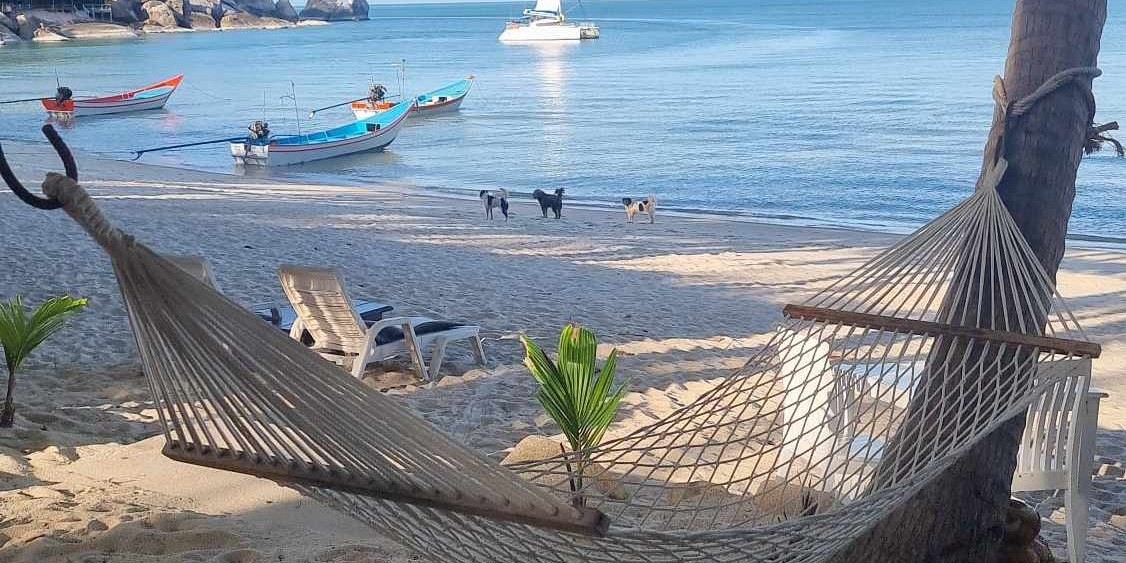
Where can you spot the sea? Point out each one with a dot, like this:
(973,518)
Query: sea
(868,114)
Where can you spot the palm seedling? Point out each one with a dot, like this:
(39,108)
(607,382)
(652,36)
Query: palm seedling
(580,398)
(21,333)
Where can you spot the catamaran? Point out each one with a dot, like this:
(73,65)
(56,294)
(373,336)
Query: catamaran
(445,99)
(546,22)
(65,106)
(372,134)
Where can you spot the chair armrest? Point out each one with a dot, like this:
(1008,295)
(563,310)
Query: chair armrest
(1096,393)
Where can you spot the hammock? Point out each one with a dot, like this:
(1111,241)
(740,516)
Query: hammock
(865,394)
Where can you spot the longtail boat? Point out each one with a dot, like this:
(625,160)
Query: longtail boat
(444,99)
(154,96)
(371,134)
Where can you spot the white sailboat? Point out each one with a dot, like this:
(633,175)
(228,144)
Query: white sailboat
(546,22)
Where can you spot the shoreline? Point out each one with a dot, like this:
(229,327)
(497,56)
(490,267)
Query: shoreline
(1077,240)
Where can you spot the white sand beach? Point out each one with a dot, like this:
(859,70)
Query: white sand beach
(686,300)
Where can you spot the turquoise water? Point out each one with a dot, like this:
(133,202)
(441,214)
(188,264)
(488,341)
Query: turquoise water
(868,113)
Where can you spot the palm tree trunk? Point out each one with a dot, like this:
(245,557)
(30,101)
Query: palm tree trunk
(8,415)
(960,517)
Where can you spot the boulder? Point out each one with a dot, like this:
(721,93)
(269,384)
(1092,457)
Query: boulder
(785,499)
(47,35)
(256,7)
(8,25)
(26,26)
(7,36)
(335,10)
(213,8)
(203,22)
(97,30)
(182,11)
(284,10)
(243,20)
(160,15)
(126,11)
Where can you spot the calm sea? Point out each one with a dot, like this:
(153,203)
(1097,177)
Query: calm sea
(868,113)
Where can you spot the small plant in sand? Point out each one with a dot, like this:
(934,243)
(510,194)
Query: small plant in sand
(579,397)
(21,333)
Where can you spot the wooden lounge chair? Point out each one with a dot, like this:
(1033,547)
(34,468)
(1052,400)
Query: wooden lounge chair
(325,311)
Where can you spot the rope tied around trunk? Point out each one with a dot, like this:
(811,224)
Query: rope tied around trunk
(81,207)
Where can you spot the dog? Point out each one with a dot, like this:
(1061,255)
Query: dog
(554,202)
(493,200)
(635,206)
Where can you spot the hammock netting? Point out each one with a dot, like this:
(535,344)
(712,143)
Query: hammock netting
(865,394)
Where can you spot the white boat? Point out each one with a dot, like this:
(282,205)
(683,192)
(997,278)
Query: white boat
(370,134)
(546,22)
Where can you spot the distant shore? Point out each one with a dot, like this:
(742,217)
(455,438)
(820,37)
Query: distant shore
(133,18)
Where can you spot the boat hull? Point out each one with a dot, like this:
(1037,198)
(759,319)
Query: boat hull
(443,100)
(525,33)
(274,154)
(148,98)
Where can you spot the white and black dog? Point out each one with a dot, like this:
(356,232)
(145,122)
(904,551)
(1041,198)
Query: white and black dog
(493,200)
(635,206)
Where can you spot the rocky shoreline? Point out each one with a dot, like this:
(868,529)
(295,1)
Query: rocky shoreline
(130,18)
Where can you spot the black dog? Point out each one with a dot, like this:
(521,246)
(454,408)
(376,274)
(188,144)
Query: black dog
(549,201)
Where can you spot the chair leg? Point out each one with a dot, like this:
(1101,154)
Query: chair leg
(479,349)
(1076,501)
(415,352)
(436,358)
(359,364)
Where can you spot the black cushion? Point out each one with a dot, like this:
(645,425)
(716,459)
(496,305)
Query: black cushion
(394,333)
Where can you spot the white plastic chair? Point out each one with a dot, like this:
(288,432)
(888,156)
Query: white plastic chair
(1057,449)
(340,335)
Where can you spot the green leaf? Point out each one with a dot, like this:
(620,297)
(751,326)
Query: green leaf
(20,333)
(580,399)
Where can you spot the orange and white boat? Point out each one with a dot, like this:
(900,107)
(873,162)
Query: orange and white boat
(150,97)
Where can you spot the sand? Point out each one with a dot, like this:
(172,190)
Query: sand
(686,300)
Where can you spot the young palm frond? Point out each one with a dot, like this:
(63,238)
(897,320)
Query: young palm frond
(581,399)
(21,333)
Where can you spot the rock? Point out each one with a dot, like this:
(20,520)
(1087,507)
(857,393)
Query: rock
(126,11)
(159,14)
(533,448)
(1108,470)
(1043,552)
(610,483)
(335,10)
(6,22)
(251,21)
(47,35)
(788,500)
(26,26)
(182,10)
(284,10)
(257,7)
(97,30)
(1118,521)
(213,8)
(1022,524)
(203,22)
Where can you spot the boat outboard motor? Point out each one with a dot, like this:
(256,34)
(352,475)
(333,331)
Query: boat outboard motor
(259,131)
(377,92)
(62,95)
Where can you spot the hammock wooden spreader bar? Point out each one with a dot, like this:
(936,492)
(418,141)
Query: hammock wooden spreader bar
(591,522)
(914,326)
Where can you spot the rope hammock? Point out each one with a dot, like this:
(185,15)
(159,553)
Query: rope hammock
(865,394)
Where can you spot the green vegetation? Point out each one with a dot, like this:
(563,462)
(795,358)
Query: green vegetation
(21,333)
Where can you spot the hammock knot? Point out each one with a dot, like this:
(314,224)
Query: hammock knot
(82,208)
(1075,75)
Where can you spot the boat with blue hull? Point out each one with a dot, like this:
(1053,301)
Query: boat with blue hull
(371,134)
(448,98)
